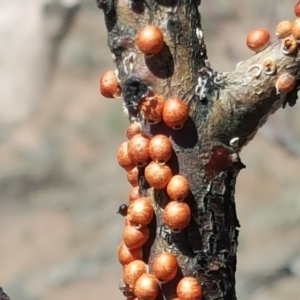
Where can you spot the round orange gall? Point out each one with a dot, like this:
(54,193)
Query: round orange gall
(177,215)
(135,238)
(152,107)
(188,288)
(175,113)
(109,86)
(150,40)
(258,39)
(133,129)
(283,29)
(147,287)
(160,149)
(133,271)
(285,83)
(133,176)
(138,149)
(122,157)
(297,9)
(158,175)
(296,30)
(178,188)
(126,256)
(140,212)
(134,194)
(164,266)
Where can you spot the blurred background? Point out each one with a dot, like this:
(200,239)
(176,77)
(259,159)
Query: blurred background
(60,184)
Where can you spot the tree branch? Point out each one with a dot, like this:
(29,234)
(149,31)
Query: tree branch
(225,112)
(249,95)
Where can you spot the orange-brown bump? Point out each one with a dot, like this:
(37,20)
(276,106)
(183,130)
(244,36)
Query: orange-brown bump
(296,30)
(285,83)
(126,256)
(140,212)
(109,86)
(152,107)
(123,158)
(178,188)
(133,176)
(297,9)
(134,194)
(133,271)
(150,40)
(175,113)
(133,129)
(147,287)
(158,176)
(283,29)
(177,215)
(134,237)
(188,288)
(138,149)
(160,149)
(164,266)
(258,39)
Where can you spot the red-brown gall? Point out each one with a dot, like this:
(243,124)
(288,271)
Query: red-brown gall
(175,113)
(138,149)
(160,149)
(158,176)
(177,215)
(150,40)
(258,39)
(109,86)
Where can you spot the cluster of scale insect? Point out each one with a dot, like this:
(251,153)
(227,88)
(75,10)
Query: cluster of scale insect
(258,40)
(145,157)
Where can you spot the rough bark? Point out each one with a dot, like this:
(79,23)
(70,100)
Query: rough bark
(226,110)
